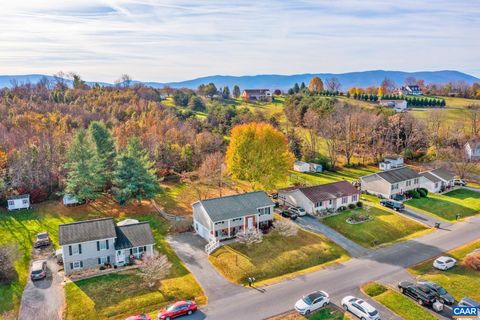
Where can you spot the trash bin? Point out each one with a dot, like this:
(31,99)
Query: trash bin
(437,225)
(437,306)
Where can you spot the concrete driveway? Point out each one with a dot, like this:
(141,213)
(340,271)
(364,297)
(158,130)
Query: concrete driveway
(191,250)
(44,299)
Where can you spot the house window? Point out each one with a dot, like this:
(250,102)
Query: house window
(77,265)
(103,245)
(263,211)
(344,200)
(395,186)
(409,183)
(76,249)
(219,222)
(415,180)
(25,201)
(237,219)
(103,260)
(436,185)
(318,204)
(330,202)
(11,202)
(354,198)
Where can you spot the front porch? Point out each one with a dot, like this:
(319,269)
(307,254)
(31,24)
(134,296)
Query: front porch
(125,257)
(229,233)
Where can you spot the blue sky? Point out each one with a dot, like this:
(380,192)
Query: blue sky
(170,40)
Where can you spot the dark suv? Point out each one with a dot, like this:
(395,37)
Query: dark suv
(422,294)
(288,214)
(392,204)
(441,294)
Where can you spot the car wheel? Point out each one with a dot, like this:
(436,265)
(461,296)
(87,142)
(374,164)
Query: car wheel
(345,307)
(402,290)
(420,302)
(189,312)
(307,312)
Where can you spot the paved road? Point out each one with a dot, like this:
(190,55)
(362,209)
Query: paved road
(44,299)
(313,224)
(190,248)
(384,264)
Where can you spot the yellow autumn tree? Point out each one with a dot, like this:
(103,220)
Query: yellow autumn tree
(258,153)
(380,91)
(315,85)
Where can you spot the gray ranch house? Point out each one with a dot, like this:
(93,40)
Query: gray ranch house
(388,183)
(437,180)
(91,244)
(323,198)
(222,218)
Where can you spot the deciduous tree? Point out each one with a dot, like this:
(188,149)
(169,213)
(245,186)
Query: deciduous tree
(154,268)
(315,85)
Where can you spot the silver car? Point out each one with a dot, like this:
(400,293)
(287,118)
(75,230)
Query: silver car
(39,270)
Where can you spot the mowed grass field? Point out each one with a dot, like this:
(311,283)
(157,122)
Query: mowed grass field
(460,281)
(385,227)
(401,305)
(326,313)
(106,297)
(448,205)
(276,256)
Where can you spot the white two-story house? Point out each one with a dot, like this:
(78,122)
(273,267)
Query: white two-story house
(222,218)
(437,180)
(91,244)
(390,182)
(320,198)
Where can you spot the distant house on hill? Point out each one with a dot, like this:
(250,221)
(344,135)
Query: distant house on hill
(397,105)
(391,162)
(472,149)
(301,166)
(18,202)
(257,95)
(412,90)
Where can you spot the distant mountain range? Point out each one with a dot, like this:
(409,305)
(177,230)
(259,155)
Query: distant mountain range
(283,82)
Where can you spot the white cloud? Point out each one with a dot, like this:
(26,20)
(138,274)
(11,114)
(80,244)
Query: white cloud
(180,39)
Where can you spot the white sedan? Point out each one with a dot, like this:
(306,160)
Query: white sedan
(444,263)
(312,302)
(360,308)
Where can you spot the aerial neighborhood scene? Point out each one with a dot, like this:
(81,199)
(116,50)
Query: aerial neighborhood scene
(244,160)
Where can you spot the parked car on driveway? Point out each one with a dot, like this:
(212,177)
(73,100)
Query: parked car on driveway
(288,214)
(177,309)
(299,211)
(420,293)
(441,294)
(360,308)
(139,317)
(468,302)
(312,302)
(39,270)
(42,240)
(392,204)
(459,182)
(444,263)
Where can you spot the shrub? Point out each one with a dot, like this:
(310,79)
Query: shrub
(472,260)
(342,208)
(351,206)
(414,194)
(423,192)
(374,289)
(8,255)
(359,204)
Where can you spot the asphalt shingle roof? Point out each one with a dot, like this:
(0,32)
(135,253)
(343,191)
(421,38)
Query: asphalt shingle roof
(443,173)
(83,231)
(133,235)
(235,206)
(328,191)
(430,176)
(398,174)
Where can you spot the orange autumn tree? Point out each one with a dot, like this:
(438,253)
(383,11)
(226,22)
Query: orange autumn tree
(315,85)
(258,153)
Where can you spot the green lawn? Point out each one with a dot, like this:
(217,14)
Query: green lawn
(460,281)
(397,303)
(276,256)
(446,206)
(327,313)
(96,298)
(386,227)
(349,174)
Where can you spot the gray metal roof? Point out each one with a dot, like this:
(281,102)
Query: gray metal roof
(20,196)
(398,174)
(443,174)
(235,206)
(88,230)
(430,176)
(133,235)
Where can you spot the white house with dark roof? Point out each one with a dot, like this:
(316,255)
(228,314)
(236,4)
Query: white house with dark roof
(437,180)
(257,94)
(222,218)
(93,243)
(410,90)
(391,162)
(472,149)
(390,182)
(320,198)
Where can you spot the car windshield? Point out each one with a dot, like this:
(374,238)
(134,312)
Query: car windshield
(372,313)
(307,300)
(42,236)
(440,262)
(37,271)
(441,290)
(171,308)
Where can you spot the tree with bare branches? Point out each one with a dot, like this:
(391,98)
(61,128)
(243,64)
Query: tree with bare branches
(250,237)
(154,268)
(333,84)
(285,228)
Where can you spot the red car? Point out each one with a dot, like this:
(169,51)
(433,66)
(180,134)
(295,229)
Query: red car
(139,317)
(177,309)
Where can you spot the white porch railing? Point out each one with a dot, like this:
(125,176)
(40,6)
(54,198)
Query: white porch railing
(212,246)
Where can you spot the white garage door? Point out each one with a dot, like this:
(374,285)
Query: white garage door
(201,230)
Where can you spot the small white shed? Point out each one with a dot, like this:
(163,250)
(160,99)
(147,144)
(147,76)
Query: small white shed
(18,202)
(70,200)
(301,166)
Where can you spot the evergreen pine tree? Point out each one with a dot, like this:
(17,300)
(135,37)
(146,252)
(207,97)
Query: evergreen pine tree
(85,179)
(296,88)
(104,147)
(134,175)
(236,91)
